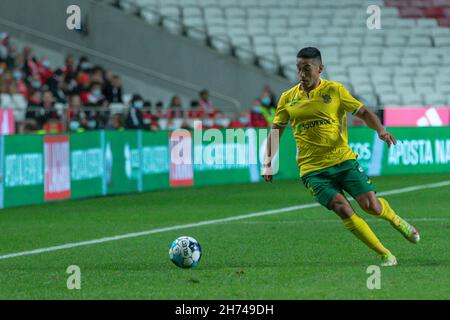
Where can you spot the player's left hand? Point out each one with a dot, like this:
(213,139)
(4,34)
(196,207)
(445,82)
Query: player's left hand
(388,138)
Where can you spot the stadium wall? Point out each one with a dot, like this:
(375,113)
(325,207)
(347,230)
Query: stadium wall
(168,58)
(35,169)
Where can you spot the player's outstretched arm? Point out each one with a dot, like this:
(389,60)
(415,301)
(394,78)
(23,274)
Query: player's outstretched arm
(275,133)
(372,121)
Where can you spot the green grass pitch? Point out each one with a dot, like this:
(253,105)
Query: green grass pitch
(302,254)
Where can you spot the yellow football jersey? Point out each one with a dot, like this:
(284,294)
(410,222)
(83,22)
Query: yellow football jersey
(319,122)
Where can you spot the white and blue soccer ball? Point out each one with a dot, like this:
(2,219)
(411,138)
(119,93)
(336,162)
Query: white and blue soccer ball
(185,252)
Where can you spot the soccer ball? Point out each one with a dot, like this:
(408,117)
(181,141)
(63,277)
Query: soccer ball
(185,252)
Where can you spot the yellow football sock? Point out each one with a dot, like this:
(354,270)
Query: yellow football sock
(362,230)
(387,213)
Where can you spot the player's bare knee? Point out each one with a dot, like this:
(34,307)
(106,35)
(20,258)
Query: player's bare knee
(370,205)
(342,208)
(375,206)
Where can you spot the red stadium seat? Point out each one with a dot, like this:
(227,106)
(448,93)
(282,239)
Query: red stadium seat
(434,12)
(421,4)
(441,3)
(444,22)
(411,12)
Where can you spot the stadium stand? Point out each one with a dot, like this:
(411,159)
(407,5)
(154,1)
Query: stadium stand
(49,92)
(377,65)
(406,62)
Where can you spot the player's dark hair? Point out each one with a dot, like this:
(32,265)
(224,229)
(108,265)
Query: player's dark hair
(310,53)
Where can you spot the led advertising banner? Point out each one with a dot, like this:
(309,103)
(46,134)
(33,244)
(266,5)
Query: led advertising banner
(417,116)
(23,170)
(57,168)
(87,166)
(35,168)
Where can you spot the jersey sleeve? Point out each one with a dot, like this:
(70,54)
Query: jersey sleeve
(281,115)
(348,102)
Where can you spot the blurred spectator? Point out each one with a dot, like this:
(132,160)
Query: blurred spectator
(20,83)
(83,84)
(113,90)
(30,65)
(93,97)
(267,97)
(7,83)
(4,46)
(221,122)
(257,118)
(69,66)
(205,104)
(241,120)
(77,118)
(97,75)
(35,98)
(135,117)
(195,111)
(43,112)
(84,64)
(117,122)
(98,114)
(44,70)
(56,85)
(149,118)
(159,110)
(175,109)
(35,83)
(14,58)
(208,123)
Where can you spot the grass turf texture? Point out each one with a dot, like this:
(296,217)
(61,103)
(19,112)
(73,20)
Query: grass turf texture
(304,254)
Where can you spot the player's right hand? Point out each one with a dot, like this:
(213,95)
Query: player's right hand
(267,173)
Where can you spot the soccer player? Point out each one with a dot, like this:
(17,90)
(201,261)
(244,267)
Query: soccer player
(316,109)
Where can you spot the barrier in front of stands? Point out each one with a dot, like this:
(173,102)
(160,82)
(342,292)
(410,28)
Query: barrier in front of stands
(36,169)
(415,116)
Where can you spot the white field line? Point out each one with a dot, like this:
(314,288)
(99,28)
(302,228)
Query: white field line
(432,219)
(207,222)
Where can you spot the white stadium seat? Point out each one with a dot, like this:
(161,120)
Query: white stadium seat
(406,55)
(412,99)
(390,99)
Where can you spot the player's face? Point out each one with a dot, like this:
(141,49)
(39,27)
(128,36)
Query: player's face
(309,71)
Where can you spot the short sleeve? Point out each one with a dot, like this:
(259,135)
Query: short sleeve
(281,115)
(348,102)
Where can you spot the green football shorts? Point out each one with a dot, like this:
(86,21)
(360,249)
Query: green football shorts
(324,184)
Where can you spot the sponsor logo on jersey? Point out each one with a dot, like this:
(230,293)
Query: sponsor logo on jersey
(294,102)
(312,124)
(326,98)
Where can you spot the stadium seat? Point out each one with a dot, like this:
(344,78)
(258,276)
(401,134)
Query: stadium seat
(150,15)
(246,55)
(423,82)
(241,41)
(273,31)
(417,40)
(214,12)
(172,25)
(390,99)
(19,115)
(190,12)
(221,43)
(412,99)
(383,89)
(442,41)
(435,99)
(234,12)
(427,23)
